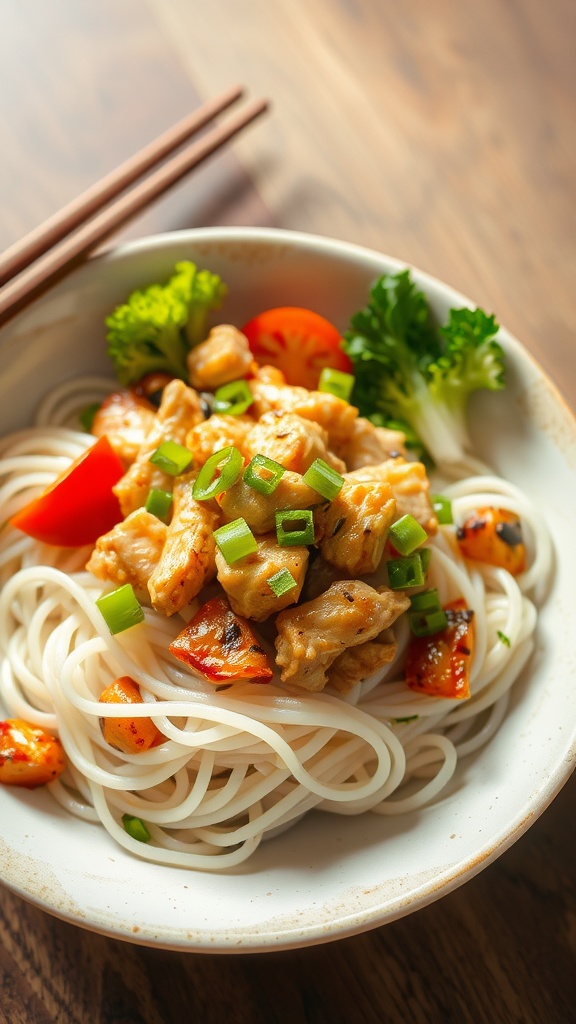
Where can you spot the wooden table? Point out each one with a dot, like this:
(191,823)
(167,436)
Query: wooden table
(442,133)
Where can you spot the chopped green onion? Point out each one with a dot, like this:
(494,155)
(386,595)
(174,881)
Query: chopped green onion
(442,509)
(425,556)
(503,638)
(410,718)
(281,582)
(406,535)
(136,828)
(425,601)
(218,473)
(158,503)
(294,527)
(171,457)
(405,572)
(120,609)
(235,540)
(87,416)
(428,623)
(269,474)
(322,478)
(336,383)
(233,398)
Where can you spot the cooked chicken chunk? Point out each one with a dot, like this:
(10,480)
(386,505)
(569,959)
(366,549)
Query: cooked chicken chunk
(312,635)
(334,415)
(179,411)
(320,576)
(224,356)
(351,530)
(259,509)
(129,553)
(410,486)
(187,561)
(246,581)
(126,418)
(357,663)
(292,441)
(367,445)
(218,432)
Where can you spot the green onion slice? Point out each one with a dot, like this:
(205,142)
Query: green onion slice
(235,540)
(327,481)
(406,535)
(294,526)
(442,509)
(218,473)
(281,582)
(405,572)
(428,623)
(503,638)
(233,398)
(120,609)
(336,383)
(136,828)
(425,601)
(158,503)
(263,474)
(171,457)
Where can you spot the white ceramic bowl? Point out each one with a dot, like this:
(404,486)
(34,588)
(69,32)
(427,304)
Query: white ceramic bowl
(329,876)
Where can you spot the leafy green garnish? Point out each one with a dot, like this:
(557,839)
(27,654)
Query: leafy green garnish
(154,329)
(416,376)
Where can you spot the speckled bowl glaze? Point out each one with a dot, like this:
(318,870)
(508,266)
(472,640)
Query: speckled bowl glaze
(328,877)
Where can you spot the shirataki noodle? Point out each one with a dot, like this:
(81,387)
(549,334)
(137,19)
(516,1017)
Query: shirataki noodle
(238,763)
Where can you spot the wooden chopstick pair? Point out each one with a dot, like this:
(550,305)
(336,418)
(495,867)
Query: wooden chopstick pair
(43,256)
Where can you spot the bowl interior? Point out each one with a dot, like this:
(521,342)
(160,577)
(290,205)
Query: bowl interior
(328,876)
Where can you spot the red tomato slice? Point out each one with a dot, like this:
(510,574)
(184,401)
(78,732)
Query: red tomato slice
(80,505)
(298,341)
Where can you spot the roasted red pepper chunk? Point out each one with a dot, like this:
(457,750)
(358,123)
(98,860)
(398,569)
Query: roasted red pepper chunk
(222,645)
(29,755)
(493,536)
(439,665)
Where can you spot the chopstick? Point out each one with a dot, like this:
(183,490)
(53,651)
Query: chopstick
(61,243)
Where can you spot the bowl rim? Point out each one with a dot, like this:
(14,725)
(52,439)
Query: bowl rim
(352,922)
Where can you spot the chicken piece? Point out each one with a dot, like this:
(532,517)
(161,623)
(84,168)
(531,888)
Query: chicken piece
(367,445)
(259,509)
(333,414)
(357,663)
(224,356)
(246,581)
(312,635)
(130,551)
(292,441)
(351,530)
(218,432)
(187,561)
(179,411)
(410,486)
(126,418)
(320,576)
(269,375)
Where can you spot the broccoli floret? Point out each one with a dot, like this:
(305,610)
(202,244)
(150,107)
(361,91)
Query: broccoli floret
(154,329)
(411,373)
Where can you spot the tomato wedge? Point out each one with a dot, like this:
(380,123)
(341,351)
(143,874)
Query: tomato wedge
(298,342)
(222,646)
(80,505)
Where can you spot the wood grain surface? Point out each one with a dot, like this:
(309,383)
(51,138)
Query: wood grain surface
(442,133)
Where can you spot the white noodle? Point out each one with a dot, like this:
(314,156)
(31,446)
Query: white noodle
(238,764)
